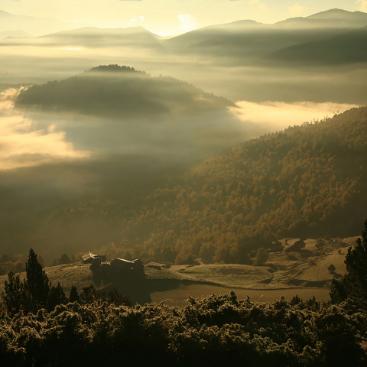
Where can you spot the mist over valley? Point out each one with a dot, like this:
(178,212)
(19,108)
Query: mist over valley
(183,182)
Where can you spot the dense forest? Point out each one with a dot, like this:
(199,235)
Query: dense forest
(41,326)
(304,181)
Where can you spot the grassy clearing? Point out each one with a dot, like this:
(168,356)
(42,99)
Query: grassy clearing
(319,269)
(229,275)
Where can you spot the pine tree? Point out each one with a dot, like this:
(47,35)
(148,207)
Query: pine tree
(354,283)
(356,263)
(15,294)
(37,282)
(74,295)
(56,296)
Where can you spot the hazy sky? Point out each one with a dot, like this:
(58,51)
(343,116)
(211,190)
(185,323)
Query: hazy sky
(171,16)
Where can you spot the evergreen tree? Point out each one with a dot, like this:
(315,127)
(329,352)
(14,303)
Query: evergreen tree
(74,295)
(15,295)
(88,295)
(37,282)
(56,296)
(338,291)
(356,262)
(354,283)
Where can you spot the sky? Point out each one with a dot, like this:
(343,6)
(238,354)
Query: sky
(169,17)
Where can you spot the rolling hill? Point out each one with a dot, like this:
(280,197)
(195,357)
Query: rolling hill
(112,90)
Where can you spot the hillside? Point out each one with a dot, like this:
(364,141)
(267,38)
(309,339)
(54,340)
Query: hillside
(241,43)
(307,180)
(343,48)
(120,91)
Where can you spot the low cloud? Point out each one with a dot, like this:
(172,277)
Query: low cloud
(279,115)
(21,145)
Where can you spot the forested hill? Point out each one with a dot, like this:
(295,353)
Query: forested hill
(304,181)
(120,91)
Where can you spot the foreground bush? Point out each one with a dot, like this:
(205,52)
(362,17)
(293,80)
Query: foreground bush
(210,332)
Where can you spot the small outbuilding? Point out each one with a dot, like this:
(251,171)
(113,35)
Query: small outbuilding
(91,258)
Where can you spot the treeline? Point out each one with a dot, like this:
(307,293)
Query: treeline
(304,181)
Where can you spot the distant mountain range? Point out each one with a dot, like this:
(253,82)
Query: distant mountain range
(105,37)
(334,36)
(334,18)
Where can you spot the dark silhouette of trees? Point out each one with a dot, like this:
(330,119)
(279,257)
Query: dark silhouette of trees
(37,282)
(207,332)
(56,296)
(74,294)
(354,283)
(15,294)
(34,292)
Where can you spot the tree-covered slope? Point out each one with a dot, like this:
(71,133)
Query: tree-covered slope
(307,180)
(342,48)
(120,91)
